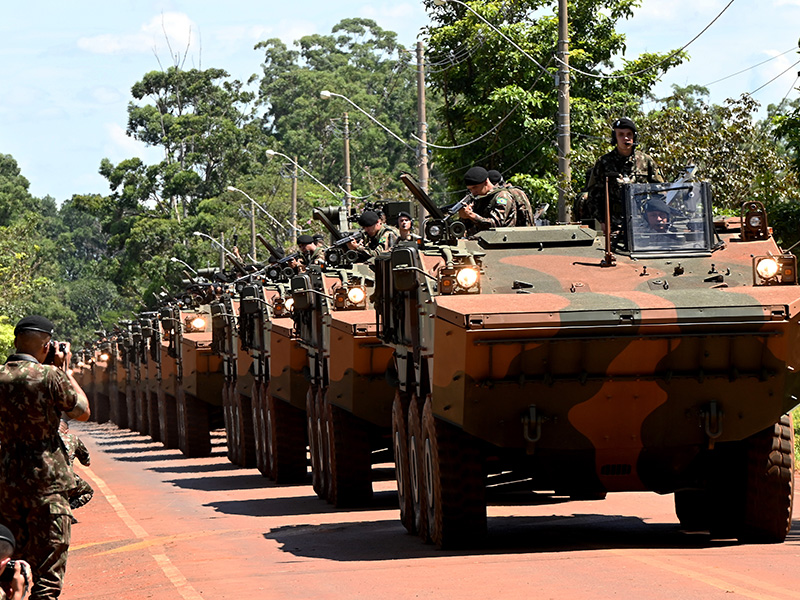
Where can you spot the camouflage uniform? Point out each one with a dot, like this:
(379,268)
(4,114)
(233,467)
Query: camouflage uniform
(35,475)
(637,168)
(317,257)
(382,241)
(498,208)
(524,210)
(82,492)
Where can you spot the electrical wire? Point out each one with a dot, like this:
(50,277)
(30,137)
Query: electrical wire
(651,67)
(774,78)
(749,68)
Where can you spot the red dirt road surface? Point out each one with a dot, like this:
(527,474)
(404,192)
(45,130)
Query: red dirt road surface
(164,527)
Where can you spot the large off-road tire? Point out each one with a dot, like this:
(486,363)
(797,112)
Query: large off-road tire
(153,425)
(168,419)
(416,470)
(349,457)
(692,510)
(287,439)
(455,484)
(230,419)
(244,426)
(194,431)
(769,484)
(101,409)
(400,449)
(318,464)
(259,408)
(142,425)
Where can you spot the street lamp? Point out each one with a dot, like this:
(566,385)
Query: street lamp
(216,243)
(270,153)
(252,220)
(178,260)
(253,203)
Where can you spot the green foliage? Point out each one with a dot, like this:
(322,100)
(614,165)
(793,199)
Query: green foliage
(488,85)
(6,338)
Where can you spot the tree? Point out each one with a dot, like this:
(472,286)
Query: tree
(500,108)
(362,62)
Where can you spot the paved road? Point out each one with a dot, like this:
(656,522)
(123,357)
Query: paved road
(168,528)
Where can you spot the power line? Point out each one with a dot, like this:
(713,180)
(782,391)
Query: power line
(774,78)
(651,67)
(749,68)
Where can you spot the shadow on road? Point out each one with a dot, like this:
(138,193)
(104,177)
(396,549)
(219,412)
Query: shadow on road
(388,540)
(298,505)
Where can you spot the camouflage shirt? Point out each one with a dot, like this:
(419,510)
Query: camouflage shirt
(382,241)
(498,208)
(636,168)
(317,257)
(33,460)
(523,208)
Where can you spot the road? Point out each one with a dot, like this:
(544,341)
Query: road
(164,527)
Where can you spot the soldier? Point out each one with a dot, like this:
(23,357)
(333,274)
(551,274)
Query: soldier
(379,236)
(624,164)
(312,252)
(405,227)
(82,492)
(524,210)
(492,207)
(15,587)
(35,476)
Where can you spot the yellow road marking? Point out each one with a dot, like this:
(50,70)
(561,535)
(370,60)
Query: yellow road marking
(721,583)
(182,586)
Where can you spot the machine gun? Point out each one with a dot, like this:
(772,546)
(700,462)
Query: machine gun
(338,255)
(438,227)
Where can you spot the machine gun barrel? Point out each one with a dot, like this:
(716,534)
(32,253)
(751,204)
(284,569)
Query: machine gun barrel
(346,239)
(275,253)
(423,198)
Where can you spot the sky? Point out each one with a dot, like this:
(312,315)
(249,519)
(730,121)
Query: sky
(66,68)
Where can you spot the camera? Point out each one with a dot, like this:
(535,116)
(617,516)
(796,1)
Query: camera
(51,351)
(8,573)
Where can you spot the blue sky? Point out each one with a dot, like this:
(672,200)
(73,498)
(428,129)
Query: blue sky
(67,67)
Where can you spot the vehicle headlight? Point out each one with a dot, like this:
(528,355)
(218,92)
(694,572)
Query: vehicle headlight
(356,295)
(435,231)
(755,221)
(767,268)
(104,356)
(198,324)
(467,277)
(289,303)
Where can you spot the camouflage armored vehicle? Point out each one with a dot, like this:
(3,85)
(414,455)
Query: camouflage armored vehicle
(349,407)
(193,377)
(562,361)
(150,371)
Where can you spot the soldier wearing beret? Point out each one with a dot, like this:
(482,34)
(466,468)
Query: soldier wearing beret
(624,164)
(405,227)
(379,236)
(493,207)
(312,252)
(35,476)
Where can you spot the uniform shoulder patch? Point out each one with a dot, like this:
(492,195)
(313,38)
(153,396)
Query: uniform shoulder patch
(501,200)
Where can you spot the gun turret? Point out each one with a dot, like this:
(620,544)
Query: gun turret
(275,254)
(323,216)
(434,211)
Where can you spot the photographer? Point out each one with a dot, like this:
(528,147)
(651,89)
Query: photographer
(35,476)
(15,576)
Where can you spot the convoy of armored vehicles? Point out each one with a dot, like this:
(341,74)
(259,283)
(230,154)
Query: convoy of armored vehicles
(547,358)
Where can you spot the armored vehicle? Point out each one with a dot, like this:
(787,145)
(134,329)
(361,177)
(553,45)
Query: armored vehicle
(656,359)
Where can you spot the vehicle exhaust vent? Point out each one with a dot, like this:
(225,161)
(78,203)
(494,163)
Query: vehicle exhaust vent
(615,470)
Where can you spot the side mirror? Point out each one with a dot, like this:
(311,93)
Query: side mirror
(404,277)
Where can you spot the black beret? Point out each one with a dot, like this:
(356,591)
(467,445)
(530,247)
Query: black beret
(305,239)
(34,323)
(624,123)
(495,176)
(403,213)
(367,218)
(657,203)
(7,536)
(476,176)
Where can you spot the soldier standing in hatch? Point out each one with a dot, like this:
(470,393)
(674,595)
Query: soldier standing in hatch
(524,210)
(379,237)
(492,207)
(35,476)
(624,164)
(312,252)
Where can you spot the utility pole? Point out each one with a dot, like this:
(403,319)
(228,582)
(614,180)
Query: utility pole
(422,126)
(253,229)
(222,251)
(348,182)
(294,197)
(564,148)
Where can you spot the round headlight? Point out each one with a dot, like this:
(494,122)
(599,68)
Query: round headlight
(435,231)
(333,257)
(767,268)
(289,303)
(198,323)
(356,295)
(104,356)
(755,221)
(467,277)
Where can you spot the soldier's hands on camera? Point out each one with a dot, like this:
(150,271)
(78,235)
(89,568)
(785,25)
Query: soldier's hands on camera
(17,579)
(58,354)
